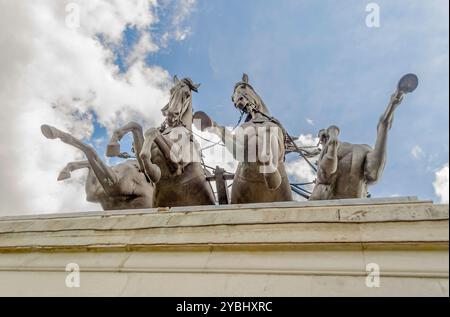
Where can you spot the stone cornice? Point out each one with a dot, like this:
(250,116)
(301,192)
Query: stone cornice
(347,223)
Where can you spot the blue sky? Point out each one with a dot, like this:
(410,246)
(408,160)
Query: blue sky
(318,60)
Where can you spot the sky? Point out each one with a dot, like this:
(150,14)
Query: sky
(314,63)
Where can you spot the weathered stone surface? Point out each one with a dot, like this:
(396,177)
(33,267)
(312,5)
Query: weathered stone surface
(290,249)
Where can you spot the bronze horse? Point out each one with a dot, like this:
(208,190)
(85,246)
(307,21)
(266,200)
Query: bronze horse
(258,145)
(170,156)
(123,186)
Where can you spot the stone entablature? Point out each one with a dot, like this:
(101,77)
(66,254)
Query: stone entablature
(293,249)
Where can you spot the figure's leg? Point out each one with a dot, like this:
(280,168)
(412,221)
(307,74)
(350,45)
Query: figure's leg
(376,159)
(104,173)
(70,167)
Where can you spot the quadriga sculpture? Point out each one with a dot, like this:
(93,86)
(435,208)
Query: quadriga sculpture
(258,145)
(170,156)
(123,186)
(345,169)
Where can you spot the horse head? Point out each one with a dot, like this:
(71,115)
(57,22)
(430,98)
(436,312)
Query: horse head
(247,100)
(179,109)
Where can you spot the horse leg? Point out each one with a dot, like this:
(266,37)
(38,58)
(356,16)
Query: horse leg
(91,195)
(376,159)
(70,167)
(113,148)
(269,153)
(328,163)
(152,171)
(104,173)
(173,151)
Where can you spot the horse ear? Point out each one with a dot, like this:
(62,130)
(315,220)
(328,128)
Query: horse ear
(196,86)
(175,80)
(245,78)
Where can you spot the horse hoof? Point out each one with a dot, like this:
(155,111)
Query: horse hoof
(63,176)
(48,131)
(113,150)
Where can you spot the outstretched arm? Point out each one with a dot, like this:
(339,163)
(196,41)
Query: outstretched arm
(376,159)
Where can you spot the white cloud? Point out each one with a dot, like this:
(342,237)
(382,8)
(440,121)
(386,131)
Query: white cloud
(214,154)
(417,152)
(441,184)
(184,9)
(109,17)
(310,121)
(141,49)
(307,140)
(299,170)
(177,27)
(57,75)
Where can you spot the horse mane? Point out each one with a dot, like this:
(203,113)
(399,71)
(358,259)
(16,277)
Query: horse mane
(259,103)
(180,106)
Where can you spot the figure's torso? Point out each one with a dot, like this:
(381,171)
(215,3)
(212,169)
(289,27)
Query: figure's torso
(349,180)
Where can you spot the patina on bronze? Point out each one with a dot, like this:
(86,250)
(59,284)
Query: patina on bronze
(262,179)
(345,169)
(123,186)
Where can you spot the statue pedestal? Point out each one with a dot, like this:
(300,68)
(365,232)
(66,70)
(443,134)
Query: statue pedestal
(323,248)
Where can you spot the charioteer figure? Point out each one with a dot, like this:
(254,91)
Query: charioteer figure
(344,169)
